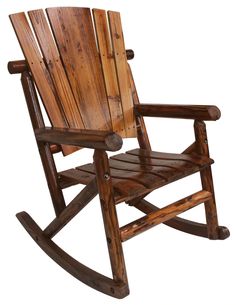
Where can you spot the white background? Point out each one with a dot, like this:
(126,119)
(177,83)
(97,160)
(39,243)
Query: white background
(185,53)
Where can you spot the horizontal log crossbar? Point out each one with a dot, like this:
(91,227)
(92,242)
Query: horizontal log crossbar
(19,66)
(154,218)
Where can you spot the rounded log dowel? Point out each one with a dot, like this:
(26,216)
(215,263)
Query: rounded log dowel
(129,54)
(17,66)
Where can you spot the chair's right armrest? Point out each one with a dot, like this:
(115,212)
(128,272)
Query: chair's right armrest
(96,139)
(194,112)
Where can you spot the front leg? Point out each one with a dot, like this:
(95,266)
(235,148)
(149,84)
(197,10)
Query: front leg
(111,225)
(207,181)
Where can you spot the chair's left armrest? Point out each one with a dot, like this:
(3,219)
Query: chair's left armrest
(195,112)
(96,139)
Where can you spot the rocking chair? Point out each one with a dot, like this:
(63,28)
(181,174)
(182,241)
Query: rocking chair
(76,63)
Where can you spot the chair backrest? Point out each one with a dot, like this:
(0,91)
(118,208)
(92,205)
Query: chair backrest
(78,62)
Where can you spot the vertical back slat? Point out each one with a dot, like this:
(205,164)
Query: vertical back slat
(38,68)
(55,67)
(122,72)
(40,73)
(109,71)
(74,34)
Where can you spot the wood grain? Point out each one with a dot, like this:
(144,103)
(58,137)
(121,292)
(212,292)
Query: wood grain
(146,179)
(19,66)
(154,218)
(123,189)
(122,72)
(96,139)
(109,71)
(133,176)
(180,165)
(74,35)
(104,183)
(44,148)
(40,73)
(193,112)
(193,158)
(38,68)
(207,180)
(142,134)
(72,209)
(55,68)
(75,268)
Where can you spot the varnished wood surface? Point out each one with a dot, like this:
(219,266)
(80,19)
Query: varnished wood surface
(193,158)
(181,224)
(20,66)
(72,209)
(17,66)
(190,149)
(74,34)
(207,180)
(123,190)
(98,139)
(82,75)
(111,225)
(80,86)
(81,272)
(38,68)
(142,135)
(44,148)
(109,71)
(122,72)
(134,175)
(55,68)
(198,112)
(154,218)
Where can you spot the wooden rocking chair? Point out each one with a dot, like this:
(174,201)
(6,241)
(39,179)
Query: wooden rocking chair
(77,63)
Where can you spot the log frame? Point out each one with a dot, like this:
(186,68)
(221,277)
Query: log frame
(109,216)
(207,180)
(181,224)
(49,141)
(96,139)
(20,66)
(192,112)
(44,148)
(79,271)
(156,217)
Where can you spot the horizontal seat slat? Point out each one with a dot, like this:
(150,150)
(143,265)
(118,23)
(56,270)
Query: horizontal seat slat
(133,175)
(193,158)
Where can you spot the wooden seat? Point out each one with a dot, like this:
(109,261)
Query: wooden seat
(76,67)
(139,171)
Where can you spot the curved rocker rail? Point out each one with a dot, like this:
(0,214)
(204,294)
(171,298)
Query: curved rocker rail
(81,272)
(181,224)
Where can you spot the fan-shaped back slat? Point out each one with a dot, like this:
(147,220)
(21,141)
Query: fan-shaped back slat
(40,73)
(109,71)
(74,34)
(122,72)
(55,67)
